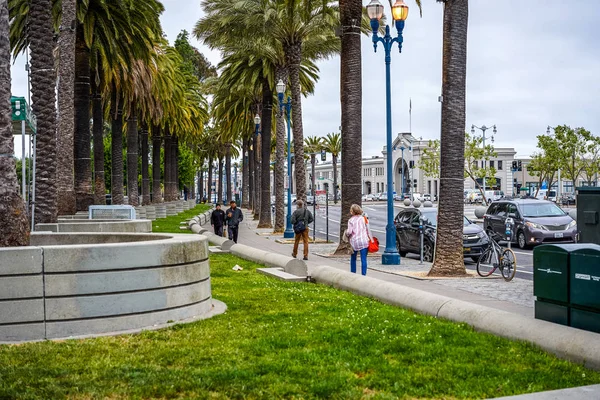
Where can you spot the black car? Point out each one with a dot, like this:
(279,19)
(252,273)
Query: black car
(408,239)
(535,221)
(567,200)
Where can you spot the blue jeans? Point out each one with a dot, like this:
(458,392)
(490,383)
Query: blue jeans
(363,261)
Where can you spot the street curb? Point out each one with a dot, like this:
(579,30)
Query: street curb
(572,344)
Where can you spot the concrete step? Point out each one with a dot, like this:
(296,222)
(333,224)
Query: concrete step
(279,273)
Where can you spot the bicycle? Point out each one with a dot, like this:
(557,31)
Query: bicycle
(494,257)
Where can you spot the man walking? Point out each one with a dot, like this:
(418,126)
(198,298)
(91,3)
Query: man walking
(301,218)
(217,220)
(233,217)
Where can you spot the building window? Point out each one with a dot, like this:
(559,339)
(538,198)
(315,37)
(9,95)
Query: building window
(491,163)
(499,165)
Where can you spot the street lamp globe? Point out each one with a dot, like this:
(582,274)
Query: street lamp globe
(375,10)
(472,129)
(280,87)
(256,120)
(399,11)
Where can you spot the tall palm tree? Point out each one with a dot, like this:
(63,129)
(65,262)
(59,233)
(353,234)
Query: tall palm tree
(449,253)
(313,145)
(44,99)
(333,144)
(66,124)
(14,228)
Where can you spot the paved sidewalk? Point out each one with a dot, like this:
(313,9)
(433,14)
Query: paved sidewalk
(515,296)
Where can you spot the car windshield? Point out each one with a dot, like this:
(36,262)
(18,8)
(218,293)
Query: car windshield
(535,210)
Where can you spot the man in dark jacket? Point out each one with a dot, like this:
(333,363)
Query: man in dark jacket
(233,217)
(217,220)
(301,214)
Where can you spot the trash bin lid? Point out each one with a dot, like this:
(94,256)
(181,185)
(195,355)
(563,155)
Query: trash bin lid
(561,247)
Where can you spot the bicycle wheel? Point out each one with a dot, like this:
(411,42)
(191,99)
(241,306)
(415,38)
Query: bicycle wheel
(508,264)
(486,264)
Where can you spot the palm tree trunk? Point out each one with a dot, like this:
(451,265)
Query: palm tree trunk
(145,178)
(293,57)
(245,178)
(210,180)
(168,154)
(228,178)
(132,157)
(82,153)
(201,182)
(280,144)
(449,258)
(98,137)
(156,146)
(66,124)
(351,101)
(265,168)
(175,168)
(43,97)
(256,177)
(220,183)
(116,178)
(14,227)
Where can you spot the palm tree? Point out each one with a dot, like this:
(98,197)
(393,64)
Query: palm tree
(43,98)
(313,145)
(14,228)
(66,126)
(333,144)
(449,253)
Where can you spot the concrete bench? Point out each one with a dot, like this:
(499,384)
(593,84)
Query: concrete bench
(279,273)
(111,212)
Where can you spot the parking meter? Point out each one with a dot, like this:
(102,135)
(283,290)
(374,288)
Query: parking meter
(509,223)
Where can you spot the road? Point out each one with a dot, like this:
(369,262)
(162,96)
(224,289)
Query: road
(377,212)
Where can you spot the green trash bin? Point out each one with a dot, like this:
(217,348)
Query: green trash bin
(551,281)
(584,287)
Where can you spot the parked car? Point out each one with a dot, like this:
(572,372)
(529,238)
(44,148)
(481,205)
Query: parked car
(398,197)
(567,200)
(285,199)
(370,197)
(382,197)
(536,221)
(426,197)
(310,199)
(408,239)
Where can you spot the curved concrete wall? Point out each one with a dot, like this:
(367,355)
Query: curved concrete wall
(90,225)
(58,291)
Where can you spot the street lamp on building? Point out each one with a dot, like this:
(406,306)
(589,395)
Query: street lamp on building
(399,14)
(289,232)
(483,128)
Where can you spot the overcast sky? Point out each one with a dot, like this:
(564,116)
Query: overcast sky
(530,64)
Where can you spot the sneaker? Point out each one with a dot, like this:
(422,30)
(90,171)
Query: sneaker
(305,258)
(293,255)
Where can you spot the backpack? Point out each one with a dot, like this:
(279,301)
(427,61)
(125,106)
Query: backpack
(300,225)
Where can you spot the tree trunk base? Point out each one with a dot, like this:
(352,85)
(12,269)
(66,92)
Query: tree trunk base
(446,270)
(263,225)
(84,201)
(66,202)
(278,230)
(343,249)
(14,223)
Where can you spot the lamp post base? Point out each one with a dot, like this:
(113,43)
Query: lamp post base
(288,234)
(390,259)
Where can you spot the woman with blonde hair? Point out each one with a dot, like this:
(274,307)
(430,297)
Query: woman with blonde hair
(358,234)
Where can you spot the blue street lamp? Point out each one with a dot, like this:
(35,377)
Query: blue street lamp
(289,232)
(402,180)
(399,14)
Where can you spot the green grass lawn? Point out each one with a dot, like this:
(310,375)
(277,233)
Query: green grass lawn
(171,224)
(287,340)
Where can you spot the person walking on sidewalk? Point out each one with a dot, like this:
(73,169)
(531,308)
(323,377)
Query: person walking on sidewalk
(233,217)
(358,235)
(301,218)
(217,220)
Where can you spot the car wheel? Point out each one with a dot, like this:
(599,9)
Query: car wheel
(522,240)
(427,252)
(402,253)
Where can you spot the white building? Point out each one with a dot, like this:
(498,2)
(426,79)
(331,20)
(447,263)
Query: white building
(408,177)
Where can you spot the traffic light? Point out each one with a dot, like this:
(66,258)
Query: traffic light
(514,165)
(323,154)
(411,164)
(519,166)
